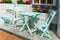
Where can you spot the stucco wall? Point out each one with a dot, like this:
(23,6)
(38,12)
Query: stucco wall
(26,8)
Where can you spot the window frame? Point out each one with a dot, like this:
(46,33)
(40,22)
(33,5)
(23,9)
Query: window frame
(46,3)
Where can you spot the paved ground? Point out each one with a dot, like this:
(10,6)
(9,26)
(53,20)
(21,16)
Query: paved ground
(26,34)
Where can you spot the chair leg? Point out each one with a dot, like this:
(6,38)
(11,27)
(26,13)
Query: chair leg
(42,35)
(9,23)
(44,32)
(22,28)
(34,30)
(49,36)
(47,32)
(29,29)
(15,26)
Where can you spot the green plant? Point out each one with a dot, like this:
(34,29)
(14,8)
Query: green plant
(20,2)
(7,1)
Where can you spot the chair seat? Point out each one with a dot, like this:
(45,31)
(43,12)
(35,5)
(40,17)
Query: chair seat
(43,24)
(5,18)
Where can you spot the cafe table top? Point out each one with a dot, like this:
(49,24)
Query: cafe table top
(22,12)
(26,13)
(29,13)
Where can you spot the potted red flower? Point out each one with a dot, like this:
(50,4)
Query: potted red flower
(28,1)
(48,8)
(1,1)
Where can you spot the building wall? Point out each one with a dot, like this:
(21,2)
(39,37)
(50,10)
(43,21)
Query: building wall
(3,6)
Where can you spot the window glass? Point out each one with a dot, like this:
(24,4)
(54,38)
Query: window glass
(50,1)
(42,1)
(36,1)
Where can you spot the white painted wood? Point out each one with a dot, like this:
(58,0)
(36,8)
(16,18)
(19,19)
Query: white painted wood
(46,1)
(32,1)
(54,3)
(14,2)
(58,28)
(39,2)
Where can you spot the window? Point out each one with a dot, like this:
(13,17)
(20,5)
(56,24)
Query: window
(50,1)
(42,1)
(36,1)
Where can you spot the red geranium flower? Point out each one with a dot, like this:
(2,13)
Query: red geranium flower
(41,9)
(48,7)
(1,0)
(28,1)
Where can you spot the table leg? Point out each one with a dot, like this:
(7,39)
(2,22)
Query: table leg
(26,23)
(29,29)
(15,26)
(33,20)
